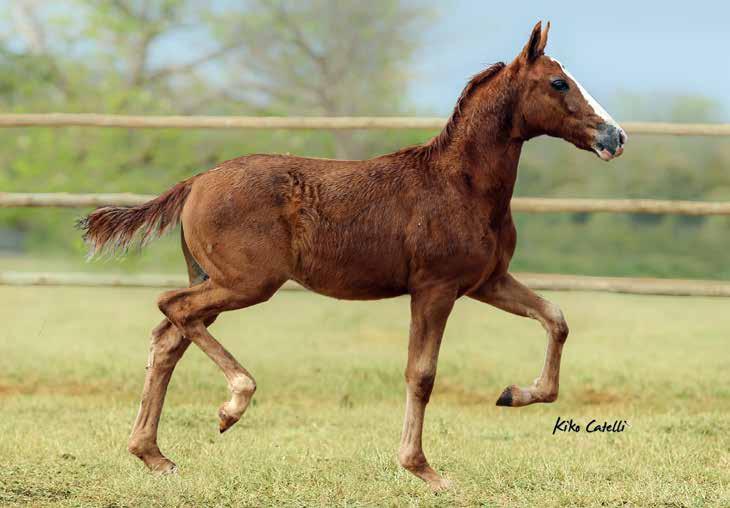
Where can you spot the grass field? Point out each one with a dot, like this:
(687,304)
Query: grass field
(325,423)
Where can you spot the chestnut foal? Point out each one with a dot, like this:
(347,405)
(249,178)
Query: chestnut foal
(432,221)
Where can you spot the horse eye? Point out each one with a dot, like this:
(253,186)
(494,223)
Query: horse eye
(559,84)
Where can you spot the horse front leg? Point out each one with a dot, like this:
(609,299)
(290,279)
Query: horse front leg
(429,311)
(510,295)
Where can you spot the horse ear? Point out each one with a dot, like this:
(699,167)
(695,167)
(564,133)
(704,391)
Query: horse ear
(534,46)
(543,39)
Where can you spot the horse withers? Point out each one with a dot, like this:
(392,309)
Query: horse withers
(432,221)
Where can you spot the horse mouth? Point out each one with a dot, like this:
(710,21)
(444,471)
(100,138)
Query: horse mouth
(609,141)
(605,154)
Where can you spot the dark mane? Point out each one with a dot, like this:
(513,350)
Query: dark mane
(440,141)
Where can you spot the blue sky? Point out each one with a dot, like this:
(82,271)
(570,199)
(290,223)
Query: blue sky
(649,47)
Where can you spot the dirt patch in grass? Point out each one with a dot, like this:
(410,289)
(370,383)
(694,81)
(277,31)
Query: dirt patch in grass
(72,389)
(592,397)
(461,394)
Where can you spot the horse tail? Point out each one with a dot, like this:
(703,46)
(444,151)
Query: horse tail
(112,229)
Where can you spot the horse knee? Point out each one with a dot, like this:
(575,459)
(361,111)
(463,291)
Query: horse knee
(421,381)
(556,324)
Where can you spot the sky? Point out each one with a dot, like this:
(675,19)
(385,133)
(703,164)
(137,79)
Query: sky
(648,47)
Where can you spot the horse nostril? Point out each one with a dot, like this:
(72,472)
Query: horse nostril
(622,137)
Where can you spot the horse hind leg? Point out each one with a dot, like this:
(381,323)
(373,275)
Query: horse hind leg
(189,308)
(167,347)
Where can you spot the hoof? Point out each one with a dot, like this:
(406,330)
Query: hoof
(506,398)
(440,485)
(172,469)
(163,467)
(225,420)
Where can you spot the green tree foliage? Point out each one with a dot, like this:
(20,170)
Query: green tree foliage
(322,57)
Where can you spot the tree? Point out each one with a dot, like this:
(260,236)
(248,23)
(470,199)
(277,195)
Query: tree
(321,57)
(311,57)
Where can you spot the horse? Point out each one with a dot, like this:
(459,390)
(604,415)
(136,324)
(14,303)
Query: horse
(431,221)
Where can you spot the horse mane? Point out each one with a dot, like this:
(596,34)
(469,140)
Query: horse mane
(442,140)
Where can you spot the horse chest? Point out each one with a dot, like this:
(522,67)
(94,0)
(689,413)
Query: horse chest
(451,246)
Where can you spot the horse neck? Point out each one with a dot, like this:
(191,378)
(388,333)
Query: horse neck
(484,149)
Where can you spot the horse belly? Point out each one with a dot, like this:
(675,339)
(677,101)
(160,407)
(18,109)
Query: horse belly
(346,268)
(354,290)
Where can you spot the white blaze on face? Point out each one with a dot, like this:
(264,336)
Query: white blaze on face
(597,108)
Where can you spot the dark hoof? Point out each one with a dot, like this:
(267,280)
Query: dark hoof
(225,421)
(506,398)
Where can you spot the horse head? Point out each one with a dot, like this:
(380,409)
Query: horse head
(551,101)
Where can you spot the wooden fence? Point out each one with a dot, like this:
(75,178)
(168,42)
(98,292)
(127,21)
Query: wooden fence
(303,122)
(525,205)
(528,205)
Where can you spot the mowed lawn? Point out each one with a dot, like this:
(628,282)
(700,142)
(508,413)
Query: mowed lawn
(325,423)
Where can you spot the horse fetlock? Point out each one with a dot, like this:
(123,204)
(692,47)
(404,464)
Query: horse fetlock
(145,448)
(544,393)
(411,459)
(544,389)
(515,396)
(242,385)
(141,446)
(550,396)
(414,461)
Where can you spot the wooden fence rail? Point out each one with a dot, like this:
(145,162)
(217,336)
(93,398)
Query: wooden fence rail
(545,282)
(302,122)
(527,205)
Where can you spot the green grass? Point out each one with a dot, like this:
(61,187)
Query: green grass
(325,423)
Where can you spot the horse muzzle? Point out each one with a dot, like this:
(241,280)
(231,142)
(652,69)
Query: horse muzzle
(609,142)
